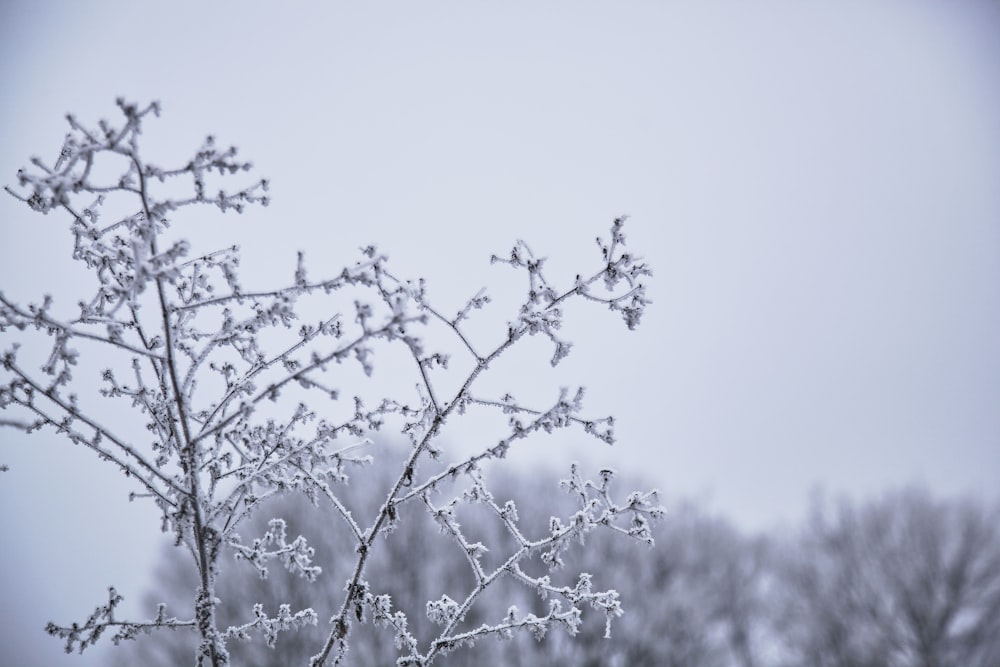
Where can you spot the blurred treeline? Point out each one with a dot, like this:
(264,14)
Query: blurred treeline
(904,580)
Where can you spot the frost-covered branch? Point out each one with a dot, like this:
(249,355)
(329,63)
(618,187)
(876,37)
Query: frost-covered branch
(80,636)
(270,627)
(37,317)
(25,392)
(597,509)
(225,397)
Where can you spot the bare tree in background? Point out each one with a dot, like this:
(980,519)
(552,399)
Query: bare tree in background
(850,588)
(415,563)
(234,400)
(904,582)
(699,600)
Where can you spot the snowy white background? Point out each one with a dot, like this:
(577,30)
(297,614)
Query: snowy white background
(816,185)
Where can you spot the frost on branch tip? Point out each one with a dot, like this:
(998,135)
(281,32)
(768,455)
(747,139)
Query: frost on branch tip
(295,556)
(597,509)
(79,637)
(270,627)
(225,395)
(621,274)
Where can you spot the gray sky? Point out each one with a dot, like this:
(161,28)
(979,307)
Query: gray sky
(815,185)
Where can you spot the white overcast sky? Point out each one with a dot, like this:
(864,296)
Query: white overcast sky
(817,186)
